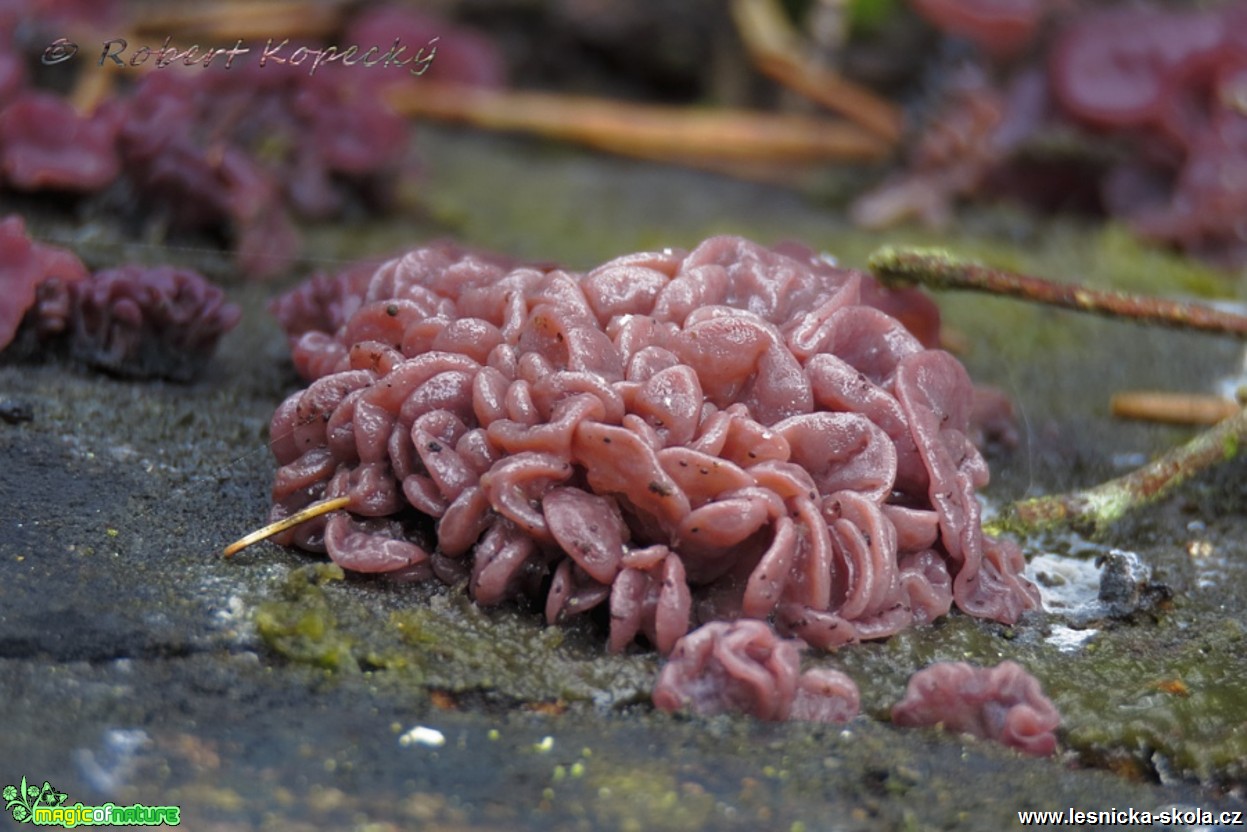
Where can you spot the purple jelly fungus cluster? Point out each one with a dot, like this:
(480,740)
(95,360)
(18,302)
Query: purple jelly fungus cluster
(1003,703)
(1171,80)
(673,437)
(149,321)
(137,321)
(1163,81)
(744,667)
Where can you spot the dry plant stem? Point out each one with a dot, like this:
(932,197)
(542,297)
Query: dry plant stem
(314,510)
(275,19)
(645,131)
(938,269)
(776,49)
(91,89)
(1095,509)
(1173,408)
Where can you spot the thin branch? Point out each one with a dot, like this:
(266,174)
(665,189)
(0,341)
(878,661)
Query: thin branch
(938,269)
(1095,509)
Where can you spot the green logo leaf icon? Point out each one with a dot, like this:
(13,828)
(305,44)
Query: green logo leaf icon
(21,800)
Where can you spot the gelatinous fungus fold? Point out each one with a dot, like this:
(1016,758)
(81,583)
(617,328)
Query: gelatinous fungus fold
(681,437)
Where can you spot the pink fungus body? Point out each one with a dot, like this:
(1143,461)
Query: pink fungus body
(672,437)
(157,321)
(1111,68)
(1172,80)
(1001,27)
(1002,703)
(25,266)
(44,144)
(744,667)
(131,320)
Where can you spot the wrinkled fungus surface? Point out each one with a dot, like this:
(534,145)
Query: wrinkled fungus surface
(744,667)
(674,437)
(1002,703)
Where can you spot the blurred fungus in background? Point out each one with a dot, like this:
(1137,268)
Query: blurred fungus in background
(240,154)
(1151,97)
(133,320)
(1002,703)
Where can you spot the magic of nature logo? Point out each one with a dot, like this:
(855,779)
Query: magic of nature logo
(45,806)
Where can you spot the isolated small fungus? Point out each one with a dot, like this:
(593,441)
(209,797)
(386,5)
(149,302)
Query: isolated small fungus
(1002,703)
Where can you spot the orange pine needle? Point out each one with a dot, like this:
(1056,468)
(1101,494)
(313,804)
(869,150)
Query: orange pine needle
(314,510)
(641,130)
(1174,408)
(273,19)
(776,49)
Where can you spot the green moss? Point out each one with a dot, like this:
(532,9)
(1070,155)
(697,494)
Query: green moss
(1159,702)
(300,624)
(1123,261)
(866,16)
(436,638)
(1145,699)
(1230,446)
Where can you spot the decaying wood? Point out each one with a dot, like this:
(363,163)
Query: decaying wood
(248,20)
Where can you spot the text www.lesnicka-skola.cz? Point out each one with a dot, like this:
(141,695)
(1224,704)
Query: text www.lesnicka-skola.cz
(1131,817)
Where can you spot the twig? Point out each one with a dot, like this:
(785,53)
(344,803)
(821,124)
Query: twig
(1174,408)
(777,50)
(1095,509)
(938,269)
(646,131)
